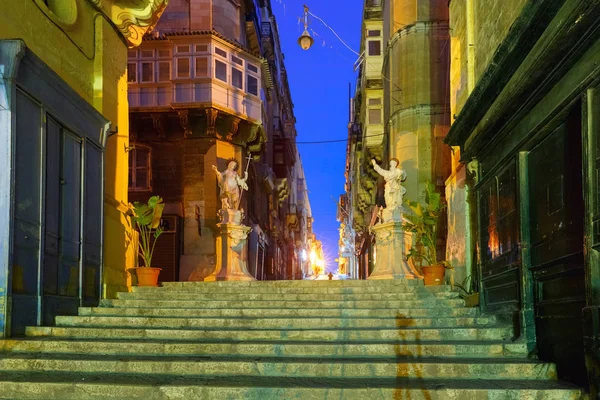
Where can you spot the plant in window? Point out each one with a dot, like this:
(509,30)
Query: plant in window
(422,221)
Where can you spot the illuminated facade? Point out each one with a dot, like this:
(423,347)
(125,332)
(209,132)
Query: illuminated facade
(400,109)
(209,85)
(64,128)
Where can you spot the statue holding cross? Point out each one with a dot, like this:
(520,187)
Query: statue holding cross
(231,186)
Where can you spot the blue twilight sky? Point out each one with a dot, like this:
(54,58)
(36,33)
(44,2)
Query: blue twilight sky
(319,81)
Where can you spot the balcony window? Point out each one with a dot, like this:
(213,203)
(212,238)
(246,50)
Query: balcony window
(375,116)
(374,47)
(237,60)
(220,71)
(252,68)
(220,52)
(373,33)
(183,67)
(201,48)
(237,78)
(201,67)
(147,72)
(132,72)
(252,85)
(140,172)
(147,53)
(164,71)
(183,48)
(132,54)
(164,53)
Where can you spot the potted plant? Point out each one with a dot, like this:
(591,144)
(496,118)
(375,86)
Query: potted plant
(423,222)
(146,218)
(468,292)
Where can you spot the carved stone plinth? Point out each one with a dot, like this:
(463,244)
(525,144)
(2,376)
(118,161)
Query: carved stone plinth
(231,254)
(229,216)
(392,244)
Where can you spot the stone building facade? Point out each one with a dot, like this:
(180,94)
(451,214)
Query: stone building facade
(400,110)
(206,86)
(64,129)
(523,195)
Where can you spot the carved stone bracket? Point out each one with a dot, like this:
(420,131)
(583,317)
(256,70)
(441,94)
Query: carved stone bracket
(132,18)
(256,139)
(473,169)
(233,130)
(158,121)
(282,188)
(185,122)
(211,121)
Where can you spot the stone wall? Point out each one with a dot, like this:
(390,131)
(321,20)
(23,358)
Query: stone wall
(488,22)
(492,20)
(477,28)
(177,15)
(226,19)
(202,15)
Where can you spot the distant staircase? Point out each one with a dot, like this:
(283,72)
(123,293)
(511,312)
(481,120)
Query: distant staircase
(277,340)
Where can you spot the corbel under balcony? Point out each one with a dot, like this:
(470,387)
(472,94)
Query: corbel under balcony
(282,187)
(292,218)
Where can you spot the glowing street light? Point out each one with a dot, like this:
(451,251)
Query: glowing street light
(305,40)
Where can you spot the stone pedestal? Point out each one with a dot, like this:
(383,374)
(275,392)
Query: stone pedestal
(232,263)
(392,245)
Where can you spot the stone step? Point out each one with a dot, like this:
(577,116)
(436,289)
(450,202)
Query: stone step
(282,312)
(344,304)
(400,283)
(416,349)
(268,323)
(309,368)
(77,386)
(280,297)
(345,335)
(256,289)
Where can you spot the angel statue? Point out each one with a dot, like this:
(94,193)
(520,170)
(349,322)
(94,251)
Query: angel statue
(394,191)
(229,184)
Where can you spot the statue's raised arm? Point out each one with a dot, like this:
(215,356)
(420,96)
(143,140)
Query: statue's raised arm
(219,175)
(380,171)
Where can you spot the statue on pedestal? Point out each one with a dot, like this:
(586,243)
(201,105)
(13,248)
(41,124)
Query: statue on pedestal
(394,191)
(231,240)
(391,241)
(231,186)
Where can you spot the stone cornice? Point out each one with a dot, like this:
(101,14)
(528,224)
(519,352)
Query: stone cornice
(542,44)
(132,18)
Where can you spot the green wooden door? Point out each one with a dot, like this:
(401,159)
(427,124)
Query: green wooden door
(556,235)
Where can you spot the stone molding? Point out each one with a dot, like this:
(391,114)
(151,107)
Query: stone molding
(132,18)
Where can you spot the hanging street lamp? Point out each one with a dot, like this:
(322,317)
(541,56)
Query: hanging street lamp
(305,40)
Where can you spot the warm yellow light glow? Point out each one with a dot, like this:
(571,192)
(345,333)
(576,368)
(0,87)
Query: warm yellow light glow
(313,256)
(305,41)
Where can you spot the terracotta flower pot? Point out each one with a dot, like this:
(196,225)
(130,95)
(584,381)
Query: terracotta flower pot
(147,276)
(433,275)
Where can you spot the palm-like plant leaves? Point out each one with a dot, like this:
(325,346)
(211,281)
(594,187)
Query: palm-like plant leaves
(422,222)
(147,220)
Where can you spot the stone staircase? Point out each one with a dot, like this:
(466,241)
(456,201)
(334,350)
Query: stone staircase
(277,340)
